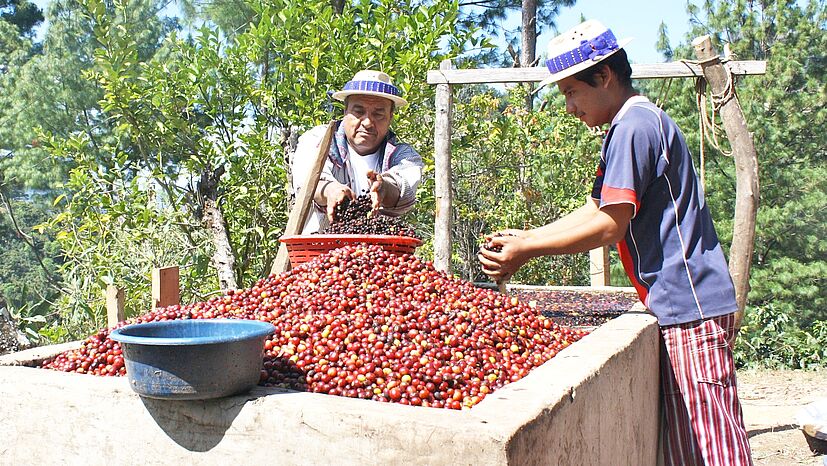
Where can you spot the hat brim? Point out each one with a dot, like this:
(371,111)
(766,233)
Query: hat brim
(572,70)
(399,101)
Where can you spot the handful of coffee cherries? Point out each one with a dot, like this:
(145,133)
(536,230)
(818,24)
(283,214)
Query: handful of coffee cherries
(489,245)
(353,217)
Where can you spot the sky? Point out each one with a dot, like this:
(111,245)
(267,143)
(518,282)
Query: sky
(638,19)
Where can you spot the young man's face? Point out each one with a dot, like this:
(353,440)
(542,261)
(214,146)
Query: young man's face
(366,121)
(587,103)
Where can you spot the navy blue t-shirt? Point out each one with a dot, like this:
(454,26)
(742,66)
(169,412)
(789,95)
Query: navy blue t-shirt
(671,251)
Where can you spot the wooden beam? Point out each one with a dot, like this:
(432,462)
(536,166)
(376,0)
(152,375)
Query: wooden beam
(114,305)
(746,169)
(165,287)
(442,174)
(298,215)
(676,69)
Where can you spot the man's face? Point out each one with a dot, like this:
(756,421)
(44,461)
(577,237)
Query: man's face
(587,103)
(367,119)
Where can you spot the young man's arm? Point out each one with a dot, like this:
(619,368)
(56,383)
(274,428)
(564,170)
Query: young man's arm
(576,217)
(588,228)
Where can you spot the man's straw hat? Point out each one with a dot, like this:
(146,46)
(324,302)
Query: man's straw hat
(369,82)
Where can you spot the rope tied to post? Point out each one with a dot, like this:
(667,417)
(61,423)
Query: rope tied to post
(707,127)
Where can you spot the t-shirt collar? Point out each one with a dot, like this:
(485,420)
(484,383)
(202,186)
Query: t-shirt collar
(353,151)
(637,99)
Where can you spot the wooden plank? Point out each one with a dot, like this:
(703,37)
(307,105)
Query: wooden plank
(165,287)
(298,215)
(676,69)
(442,174)
(746,170)
(114,305)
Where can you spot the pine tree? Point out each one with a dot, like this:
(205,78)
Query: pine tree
(786,111)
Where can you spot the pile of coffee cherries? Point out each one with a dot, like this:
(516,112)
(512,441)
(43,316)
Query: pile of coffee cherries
(354,217)
(362,322)
(97,355)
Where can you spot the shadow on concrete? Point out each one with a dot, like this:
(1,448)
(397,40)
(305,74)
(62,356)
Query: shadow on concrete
(200,425)
(753,433)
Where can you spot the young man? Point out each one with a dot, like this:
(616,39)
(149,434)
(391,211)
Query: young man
(364,157)
(647,199)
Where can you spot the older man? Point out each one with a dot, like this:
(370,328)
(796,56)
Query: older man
(364,157)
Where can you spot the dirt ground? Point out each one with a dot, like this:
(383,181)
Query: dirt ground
(771,400)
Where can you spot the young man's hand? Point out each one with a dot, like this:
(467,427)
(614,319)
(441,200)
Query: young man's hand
(503,254)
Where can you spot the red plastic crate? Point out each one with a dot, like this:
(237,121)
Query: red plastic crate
(302,248)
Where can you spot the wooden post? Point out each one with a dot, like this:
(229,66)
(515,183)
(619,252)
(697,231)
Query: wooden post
(746,169)
(599,274)
(442,176)
(165,287)
(298,215)
(114,305)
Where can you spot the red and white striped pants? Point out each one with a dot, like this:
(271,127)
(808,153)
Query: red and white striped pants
(703,424)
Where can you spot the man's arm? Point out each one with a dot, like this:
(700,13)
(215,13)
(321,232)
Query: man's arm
(576,217)
(588,228)
(403,177)
(594,228)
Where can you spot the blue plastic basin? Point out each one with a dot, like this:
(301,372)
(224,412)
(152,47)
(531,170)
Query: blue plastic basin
(193,359)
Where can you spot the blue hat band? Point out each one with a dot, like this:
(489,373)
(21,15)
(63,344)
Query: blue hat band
(372,86)
(591,49)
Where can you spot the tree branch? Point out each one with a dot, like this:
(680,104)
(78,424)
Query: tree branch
(479,3)
(29,241)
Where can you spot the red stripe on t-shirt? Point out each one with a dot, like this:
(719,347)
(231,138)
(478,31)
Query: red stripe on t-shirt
(629,267)
(610,195)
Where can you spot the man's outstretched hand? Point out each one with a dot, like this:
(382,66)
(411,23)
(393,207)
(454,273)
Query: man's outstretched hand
(378,190)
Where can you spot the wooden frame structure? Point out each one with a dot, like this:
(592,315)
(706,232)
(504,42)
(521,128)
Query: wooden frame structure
(166,291)
(709,66)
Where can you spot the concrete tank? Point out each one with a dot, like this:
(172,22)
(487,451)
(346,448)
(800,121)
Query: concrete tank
(595,403)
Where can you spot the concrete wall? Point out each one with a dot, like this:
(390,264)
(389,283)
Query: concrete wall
(595,403)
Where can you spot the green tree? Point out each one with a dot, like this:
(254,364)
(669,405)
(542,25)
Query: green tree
(489,16)
(29,283)
(513,168)
(22,14)
(195,141)
(663,46)
(45,91)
